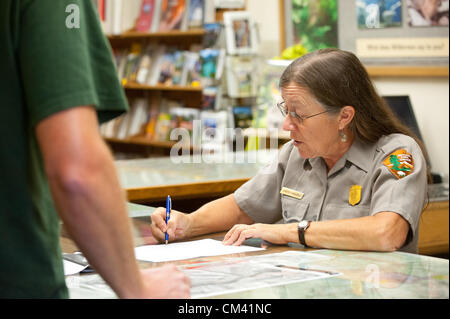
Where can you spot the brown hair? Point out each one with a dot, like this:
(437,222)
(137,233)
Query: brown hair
(337,78)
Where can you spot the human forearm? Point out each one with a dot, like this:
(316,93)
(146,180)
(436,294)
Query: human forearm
(382,232)
(216,216)
(92,207)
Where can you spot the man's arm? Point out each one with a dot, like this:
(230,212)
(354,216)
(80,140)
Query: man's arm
(89,199)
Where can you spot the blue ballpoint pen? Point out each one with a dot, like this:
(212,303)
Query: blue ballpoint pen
(168,209)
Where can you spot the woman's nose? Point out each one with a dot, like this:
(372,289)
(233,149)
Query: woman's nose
(288,124)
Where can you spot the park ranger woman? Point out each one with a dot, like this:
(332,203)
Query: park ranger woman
(352,176)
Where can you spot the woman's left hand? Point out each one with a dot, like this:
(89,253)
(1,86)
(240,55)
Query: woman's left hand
(276,234)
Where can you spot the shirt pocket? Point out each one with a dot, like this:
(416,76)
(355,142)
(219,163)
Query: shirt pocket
(293,209)
(332,211)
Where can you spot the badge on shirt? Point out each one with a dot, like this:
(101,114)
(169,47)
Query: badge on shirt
(400,163)
(354,196)
(292,193)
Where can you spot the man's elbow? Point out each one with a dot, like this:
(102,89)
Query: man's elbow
(68,179)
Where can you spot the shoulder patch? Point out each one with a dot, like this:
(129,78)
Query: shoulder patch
(400,163)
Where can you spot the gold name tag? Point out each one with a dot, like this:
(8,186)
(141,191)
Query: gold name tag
(292,193)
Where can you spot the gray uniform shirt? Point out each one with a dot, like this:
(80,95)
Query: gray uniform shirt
(325,196)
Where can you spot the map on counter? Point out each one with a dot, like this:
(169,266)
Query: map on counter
(246,273)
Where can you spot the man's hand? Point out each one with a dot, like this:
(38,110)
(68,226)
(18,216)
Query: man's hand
(165,282)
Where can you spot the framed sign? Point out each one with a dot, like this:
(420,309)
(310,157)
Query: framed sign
(398,33)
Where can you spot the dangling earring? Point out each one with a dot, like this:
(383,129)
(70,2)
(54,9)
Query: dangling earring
(343,136)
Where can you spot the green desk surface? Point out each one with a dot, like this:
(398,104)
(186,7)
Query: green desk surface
(163,171)
(367,275)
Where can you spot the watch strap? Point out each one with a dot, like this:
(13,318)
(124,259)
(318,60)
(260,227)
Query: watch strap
(301,234)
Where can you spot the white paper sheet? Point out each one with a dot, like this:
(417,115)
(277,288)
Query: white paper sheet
(186,250)
(71,268)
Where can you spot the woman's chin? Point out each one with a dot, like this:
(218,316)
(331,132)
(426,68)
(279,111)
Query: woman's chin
(303,151)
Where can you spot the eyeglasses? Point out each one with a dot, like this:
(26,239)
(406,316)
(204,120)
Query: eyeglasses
(284,110)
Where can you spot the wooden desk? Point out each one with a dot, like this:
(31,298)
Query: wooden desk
(433,229)
(400,275)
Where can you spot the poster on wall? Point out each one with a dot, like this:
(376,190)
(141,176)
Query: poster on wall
(311,23)
(376,14)
(427,13)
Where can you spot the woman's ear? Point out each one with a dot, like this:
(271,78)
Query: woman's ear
(346,116)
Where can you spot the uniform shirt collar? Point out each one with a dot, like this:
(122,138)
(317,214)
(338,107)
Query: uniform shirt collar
(359,154)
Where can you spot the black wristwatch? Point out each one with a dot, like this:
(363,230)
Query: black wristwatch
(302,226)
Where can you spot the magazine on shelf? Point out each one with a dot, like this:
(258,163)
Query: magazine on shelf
(145,65)
(242,116)
(192,69)
(214,133)
(144,22)
(211,66)
(241,76)
(138,116)
(213,35)
(178,66)
(152,117)
(131,64)
(211,98)
(118,16)
(195,13)
(172,15)
(155,68)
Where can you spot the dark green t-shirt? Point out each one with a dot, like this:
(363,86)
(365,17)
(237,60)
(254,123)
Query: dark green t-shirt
(47,64)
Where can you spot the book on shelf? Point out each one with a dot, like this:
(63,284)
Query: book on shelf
(158,64)
(172,12)
(241,76)
(213,37)
(167,68)
(192,69)
(242,116)
(128,124)
(209,15)
(144,21)
(144,65)
(195,13)
(211,66)
(118,16)
(211,98)
(214,137)
(229,4)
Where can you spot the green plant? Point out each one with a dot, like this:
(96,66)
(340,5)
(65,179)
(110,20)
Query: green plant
(315,23)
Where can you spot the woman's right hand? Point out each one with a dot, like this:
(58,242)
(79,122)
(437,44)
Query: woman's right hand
(176,228)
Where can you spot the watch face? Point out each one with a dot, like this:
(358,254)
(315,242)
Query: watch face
(303,224)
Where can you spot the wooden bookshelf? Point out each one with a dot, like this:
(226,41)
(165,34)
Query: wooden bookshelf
(134,35)
(160,87)
(145,141)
